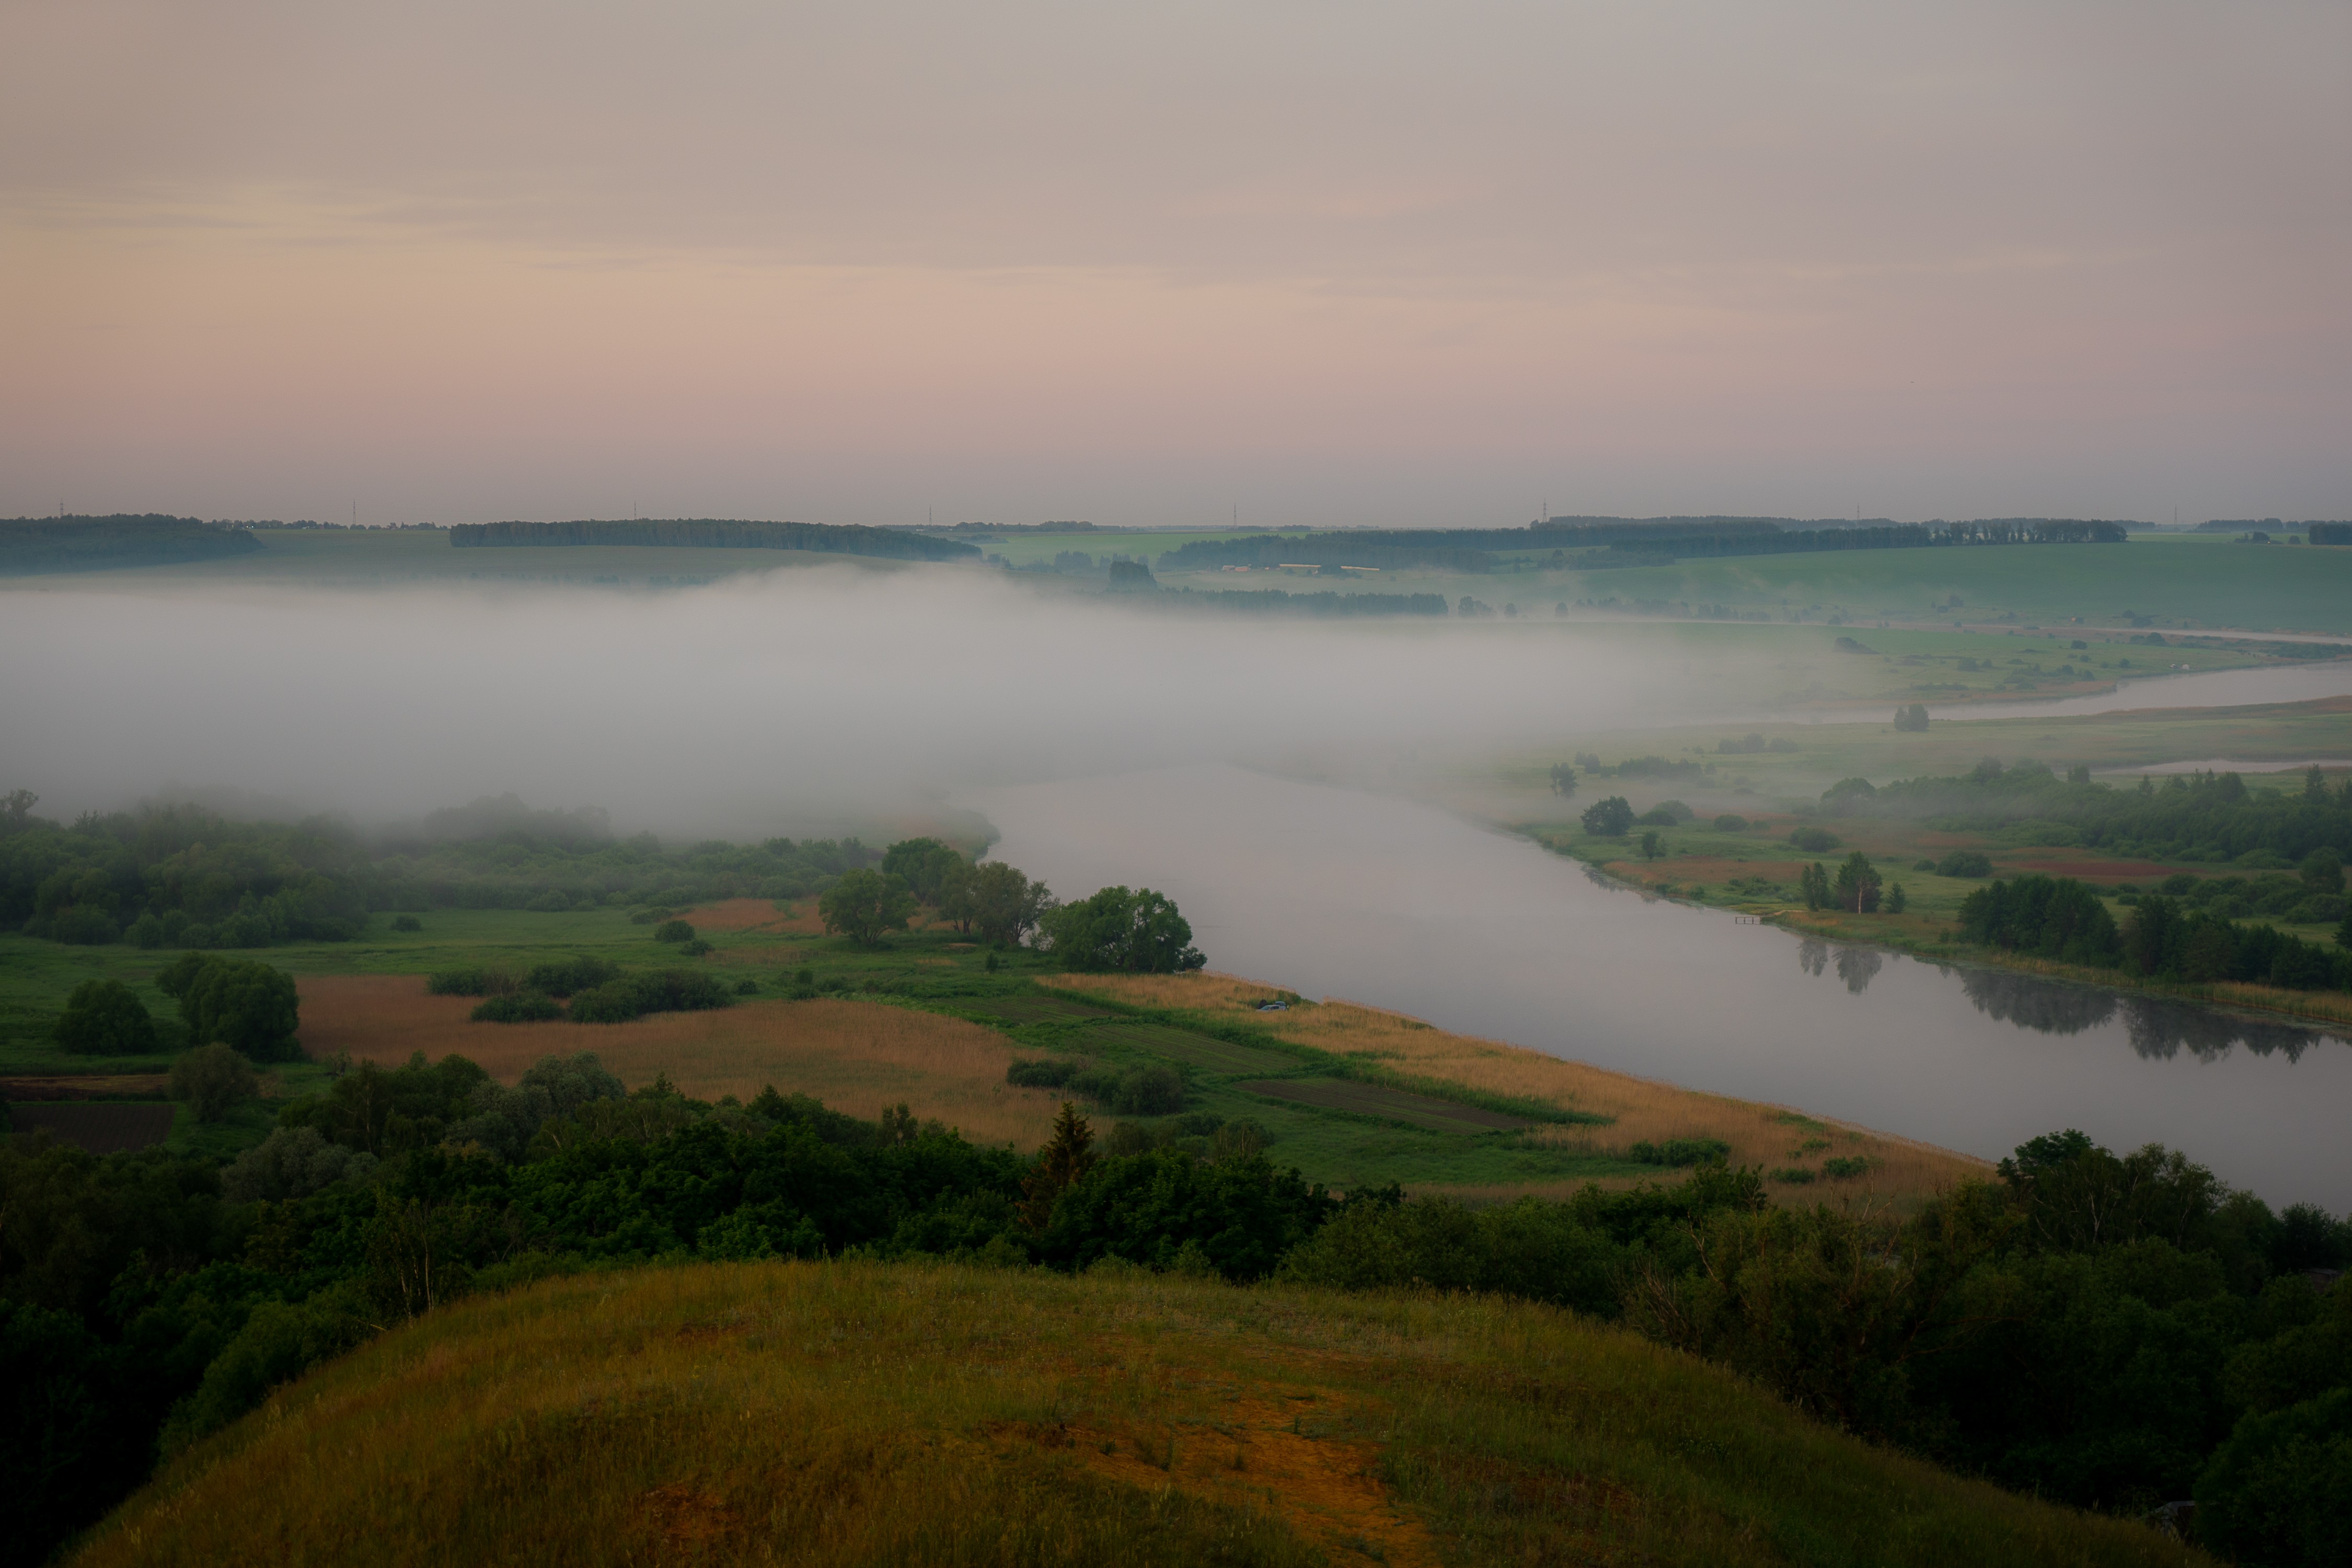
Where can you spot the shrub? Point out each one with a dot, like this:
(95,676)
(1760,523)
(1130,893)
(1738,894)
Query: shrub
(865,904)
(212,1080)
(647,917)
(1965,863)
(1024,1074)
(146,931)
(237,1000)
(1681,1152)
(517,1007)
(1731,822)
(1844,1167)
(470,982)
(105,1017)
(1138,1091)
(673,930)
(634,996)
(1813,840)
(1610,818)
(2279,1491)
(1795,1176)
(694,948)
(407,923)
(747,987)
(566,977)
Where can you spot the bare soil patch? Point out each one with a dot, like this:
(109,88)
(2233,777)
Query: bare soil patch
(98,1127)
(856,1056)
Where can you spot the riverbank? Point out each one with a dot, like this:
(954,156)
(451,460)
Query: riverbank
(1926,934)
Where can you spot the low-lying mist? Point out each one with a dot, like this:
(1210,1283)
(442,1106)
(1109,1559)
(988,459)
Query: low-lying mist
(797,701)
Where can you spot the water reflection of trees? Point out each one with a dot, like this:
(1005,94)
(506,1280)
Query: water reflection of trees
(1857,966)
(2034,1004)
(1812,955)
(2158,1028)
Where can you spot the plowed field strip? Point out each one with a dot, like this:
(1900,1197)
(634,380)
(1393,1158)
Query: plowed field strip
(98,1127)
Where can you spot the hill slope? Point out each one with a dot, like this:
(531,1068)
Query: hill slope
(863,1413)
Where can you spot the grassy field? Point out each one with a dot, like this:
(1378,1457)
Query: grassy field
(2172,581)
(922,1022)
(852,1413)
(1621,1109)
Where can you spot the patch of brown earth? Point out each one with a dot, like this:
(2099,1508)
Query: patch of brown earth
(856,1056)
(1279,1453)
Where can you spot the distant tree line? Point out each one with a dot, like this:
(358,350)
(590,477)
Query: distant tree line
(2108,1331)
(2202,816)
(716,533)
(1479,549)
(2160,938)
(32,545)
(181,876)
(1278,601)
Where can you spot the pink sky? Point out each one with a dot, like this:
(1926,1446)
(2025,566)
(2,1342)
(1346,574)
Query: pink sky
(1373,263)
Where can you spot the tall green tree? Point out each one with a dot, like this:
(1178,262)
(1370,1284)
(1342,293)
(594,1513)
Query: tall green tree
(1005,904)
(865,904)
(237,1000)
(1136,931)
(1610,818)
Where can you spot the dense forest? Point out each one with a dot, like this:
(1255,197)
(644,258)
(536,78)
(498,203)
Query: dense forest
(181,876)
(2116,1331)
(31,545)
(703,532)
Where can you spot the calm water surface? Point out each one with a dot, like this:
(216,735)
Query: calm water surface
(1337,893)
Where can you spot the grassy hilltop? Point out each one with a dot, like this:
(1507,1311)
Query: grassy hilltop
(854,1413)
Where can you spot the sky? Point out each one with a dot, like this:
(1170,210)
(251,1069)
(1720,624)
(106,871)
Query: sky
(1295,262)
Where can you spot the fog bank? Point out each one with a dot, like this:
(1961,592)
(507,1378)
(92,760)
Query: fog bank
(794,702)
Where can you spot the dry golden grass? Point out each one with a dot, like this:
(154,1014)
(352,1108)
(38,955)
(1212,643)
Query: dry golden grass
(755,915)
(851,1414)
(856,1056)
(1641,1111)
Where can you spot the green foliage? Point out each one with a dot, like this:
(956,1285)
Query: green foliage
(105,1017)
(237,1002)
(2051,917)
(1650,845)
(663,991)
(1005,904)
(212,1080)
(863,905)
(407,923)
(1814,885)
(517,1007)
(2279,1493)
(1609,818)
(678,930)
(30,545)
(1964,863)
(1896,900)
(470,982)
(1857,885)
(2167,940)
(923,864)
(1136,931)
(1813,840)
(1731,822)
(1912,718)
(1680,1151)
(566,977)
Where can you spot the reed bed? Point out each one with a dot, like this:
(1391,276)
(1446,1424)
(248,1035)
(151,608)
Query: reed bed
(856,1056)
(855,1412)
(1640,1109)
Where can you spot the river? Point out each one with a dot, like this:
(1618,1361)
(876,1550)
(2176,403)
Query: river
(1334,892)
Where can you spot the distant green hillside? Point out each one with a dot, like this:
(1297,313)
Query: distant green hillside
(867,1413)
(31,545)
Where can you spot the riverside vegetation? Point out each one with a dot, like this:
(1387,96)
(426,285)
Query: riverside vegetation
(2115,1331)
